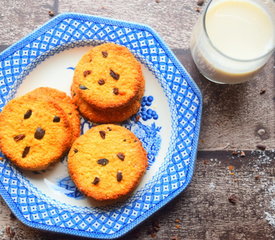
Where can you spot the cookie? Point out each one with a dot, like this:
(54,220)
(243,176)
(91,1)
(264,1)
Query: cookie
(65,102)
(107,162)
(108,76)
(108,115)
(33,132)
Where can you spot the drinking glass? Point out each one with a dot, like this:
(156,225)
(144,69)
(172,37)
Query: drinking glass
(213,61)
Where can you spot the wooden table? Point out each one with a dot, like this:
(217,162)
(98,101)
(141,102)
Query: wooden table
(230,196)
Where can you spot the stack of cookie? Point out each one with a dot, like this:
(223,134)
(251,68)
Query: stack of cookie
(108,84)
(38,128)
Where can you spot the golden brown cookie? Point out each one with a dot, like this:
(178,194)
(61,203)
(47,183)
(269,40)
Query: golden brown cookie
(107,162)
(33,132)
(65,102)
(108,76)
(108,115)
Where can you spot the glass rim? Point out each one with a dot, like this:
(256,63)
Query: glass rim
(231,58)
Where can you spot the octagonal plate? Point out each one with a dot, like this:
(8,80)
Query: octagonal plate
(167,124)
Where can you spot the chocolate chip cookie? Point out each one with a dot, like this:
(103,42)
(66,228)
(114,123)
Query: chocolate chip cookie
(107,162)
(108,76)
(65,102)
(34,132)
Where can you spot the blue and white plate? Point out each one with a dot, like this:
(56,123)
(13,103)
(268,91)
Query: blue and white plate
(168,126)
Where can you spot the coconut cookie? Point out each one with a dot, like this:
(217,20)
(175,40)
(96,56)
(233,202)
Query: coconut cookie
(34,132)
(65,102)
(107,162)
(108,76)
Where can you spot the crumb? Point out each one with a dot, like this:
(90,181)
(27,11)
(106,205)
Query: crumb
(157,1)
(178,226)
(242,154)
(177,220)
(233,199)
(153,235)
(261,147)
(198,9)
(12,216)
(257,177)
(10,232)
(205,162)
(51,13)
(137,118)
(154,228)
(174,238)
(235,153)
(262,91)
(200,2)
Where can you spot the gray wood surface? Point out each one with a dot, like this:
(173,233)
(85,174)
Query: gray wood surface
(234,117)
(203,211)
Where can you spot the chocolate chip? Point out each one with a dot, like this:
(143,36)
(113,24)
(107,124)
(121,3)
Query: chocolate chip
(200,2)
(26,151)
(110,129)
(233,199)
(114,75)
(124,140)
(121,156)
(103,161)
(75,150)
(102,134)
(19,137)
(51,13)
(39,133)
(28,114)
(262,91)
(261,147)
(119,176)
(137,118)
(96,181)
(82,87)
(56,119)
(101,81)
(86,73)
(116,91)
(104,54)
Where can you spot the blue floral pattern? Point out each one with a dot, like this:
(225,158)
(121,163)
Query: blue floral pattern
(68,184)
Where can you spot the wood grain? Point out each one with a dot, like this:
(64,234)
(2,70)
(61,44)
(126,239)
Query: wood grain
(232,118)
(203,211)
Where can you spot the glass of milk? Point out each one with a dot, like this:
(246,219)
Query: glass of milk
(233,39)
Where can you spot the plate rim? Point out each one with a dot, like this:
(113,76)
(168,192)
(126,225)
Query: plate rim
(45,27)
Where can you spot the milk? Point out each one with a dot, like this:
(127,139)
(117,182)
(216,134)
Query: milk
(233,40)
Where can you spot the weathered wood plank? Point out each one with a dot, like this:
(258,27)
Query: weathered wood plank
(203,211)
